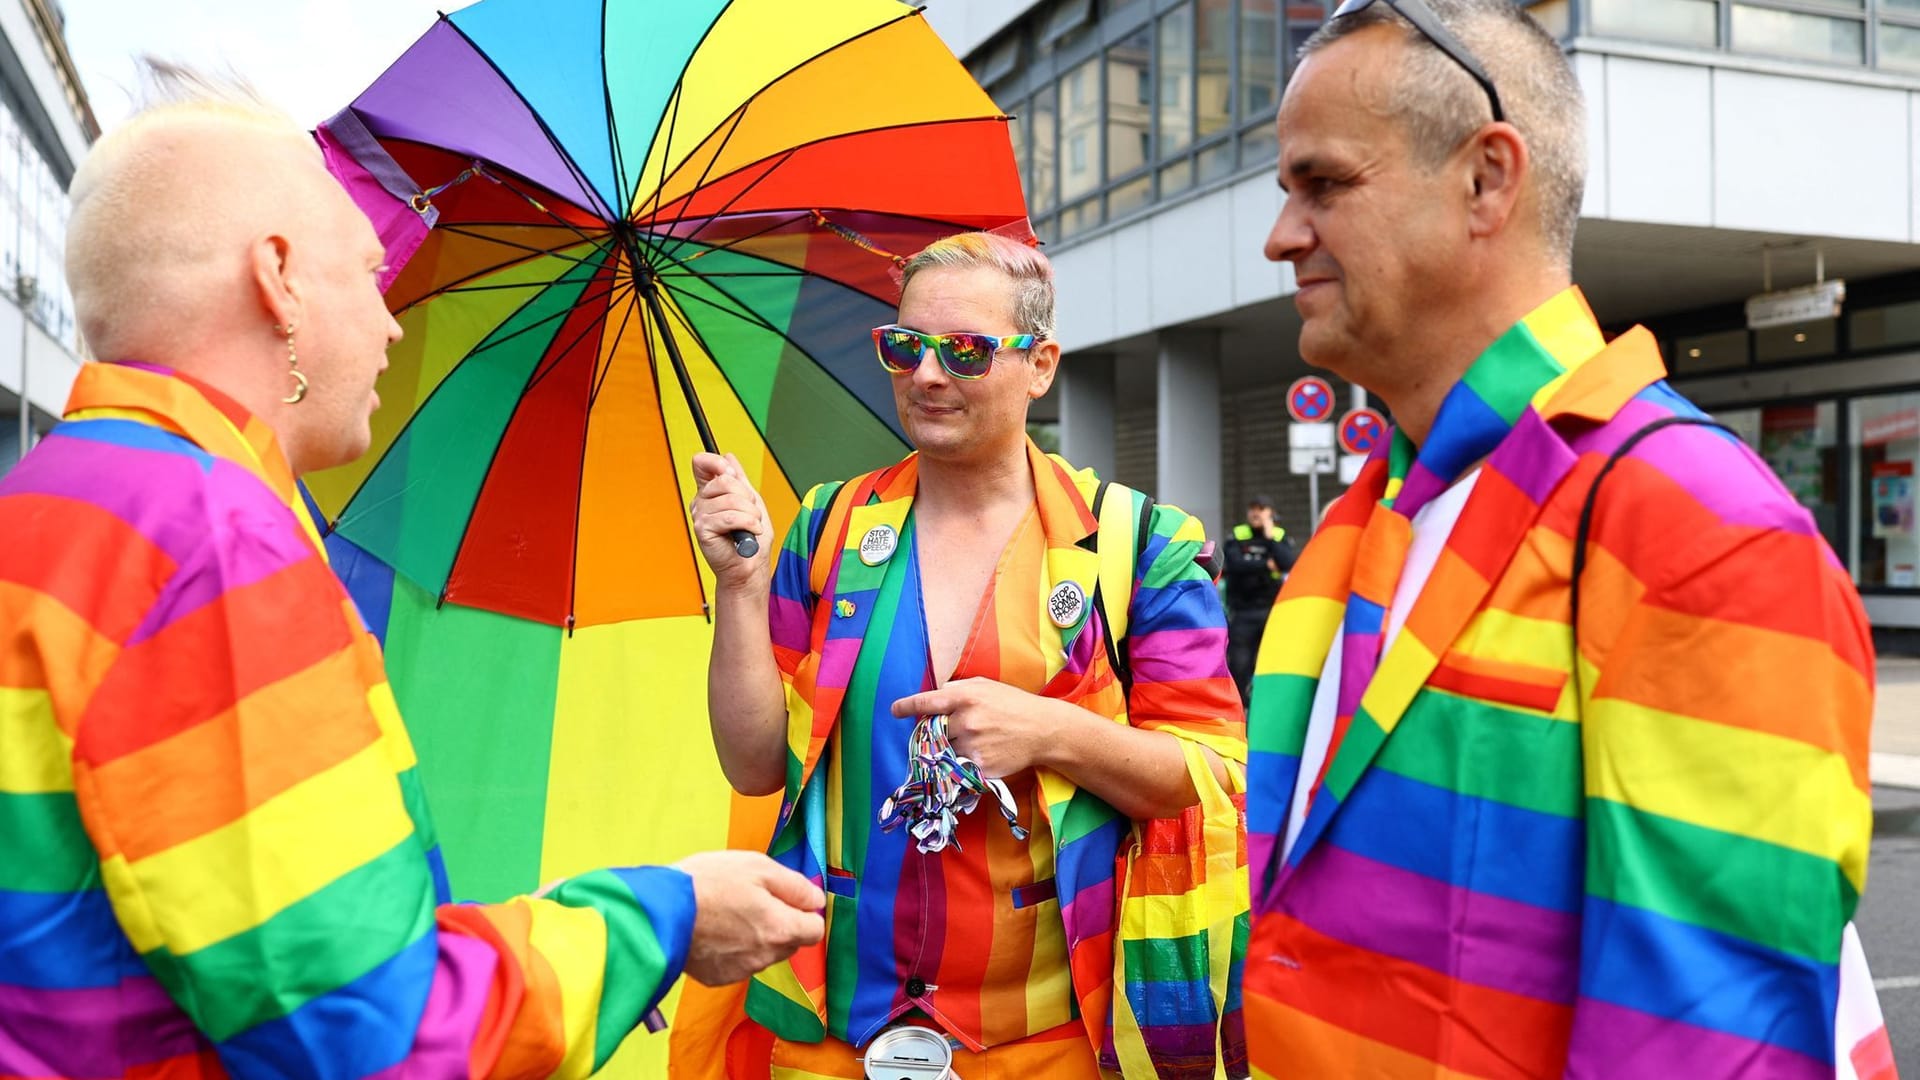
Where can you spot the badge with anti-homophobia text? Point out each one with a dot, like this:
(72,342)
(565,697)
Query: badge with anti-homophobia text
(1067,604)
(878,545)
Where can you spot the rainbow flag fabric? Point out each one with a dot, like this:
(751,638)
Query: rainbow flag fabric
(1507,871)
(1003,939)
(215,855)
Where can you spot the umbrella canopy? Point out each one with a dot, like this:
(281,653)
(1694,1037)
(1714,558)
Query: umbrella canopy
(566,188)
(637,230)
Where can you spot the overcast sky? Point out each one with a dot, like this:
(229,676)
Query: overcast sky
(310,57)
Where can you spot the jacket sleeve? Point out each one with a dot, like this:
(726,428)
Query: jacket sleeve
(1177,642)
(246,781)
(790,611)
(1727,808)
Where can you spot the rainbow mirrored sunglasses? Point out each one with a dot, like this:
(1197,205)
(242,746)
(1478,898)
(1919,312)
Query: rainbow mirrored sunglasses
(964,356)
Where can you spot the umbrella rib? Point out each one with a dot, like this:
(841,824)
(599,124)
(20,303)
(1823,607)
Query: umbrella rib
(755,318)
(348,508)
(798,216)
(739,116)
(613,129)
(770,83)
(540,373)
(459,284)
(533,376)
(679,84)
(573,167)
(699,338)
(730,204)
(542,207)
(673,474)
(666,151)
(530,327)
(556,253)
(496,171)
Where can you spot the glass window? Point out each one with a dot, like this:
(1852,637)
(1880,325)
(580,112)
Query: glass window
(1017,125)
(1683,22)
(1886,441)
(1800,443)
(1043,117)
(1709,352)
(1804,37)
(1129,103)
(1303,18)
(1554,16)
(1176,178)
(1259,145)
(1259,56)
(1129,197)
(1800,341)
(1213,91)
(1173,51)
(1080,131)
(1900,45)
(1216,161)
(1877,328)
(1904,6)
(1079,217)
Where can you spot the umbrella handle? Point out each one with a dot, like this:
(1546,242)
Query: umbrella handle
(745,544)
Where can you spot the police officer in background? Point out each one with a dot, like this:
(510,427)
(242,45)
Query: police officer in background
(1257,558)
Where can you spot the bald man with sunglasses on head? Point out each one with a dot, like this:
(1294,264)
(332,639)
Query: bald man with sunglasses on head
(1560,725)
(959,583)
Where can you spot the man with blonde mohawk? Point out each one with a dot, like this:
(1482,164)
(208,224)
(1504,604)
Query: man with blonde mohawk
(215,856)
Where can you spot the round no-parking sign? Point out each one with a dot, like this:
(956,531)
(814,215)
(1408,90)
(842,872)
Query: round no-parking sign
(1310,400)
(1360,430)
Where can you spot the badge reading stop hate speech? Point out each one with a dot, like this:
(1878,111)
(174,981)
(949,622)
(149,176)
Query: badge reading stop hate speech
(878,545)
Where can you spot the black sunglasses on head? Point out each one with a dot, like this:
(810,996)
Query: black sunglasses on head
(1425,21)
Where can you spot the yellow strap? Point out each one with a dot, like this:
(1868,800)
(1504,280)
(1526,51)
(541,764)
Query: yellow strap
(1225,895)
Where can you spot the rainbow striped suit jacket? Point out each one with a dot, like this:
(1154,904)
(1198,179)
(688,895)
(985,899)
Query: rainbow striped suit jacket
(1500,877)
(1181,687)
(216,856)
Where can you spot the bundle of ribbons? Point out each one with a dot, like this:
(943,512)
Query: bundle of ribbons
(941,785)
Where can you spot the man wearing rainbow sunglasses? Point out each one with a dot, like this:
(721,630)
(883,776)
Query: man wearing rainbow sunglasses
(961,584)
(1560,730)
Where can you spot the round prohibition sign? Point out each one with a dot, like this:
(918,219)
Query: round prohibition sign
(1361,430)
(1310,400)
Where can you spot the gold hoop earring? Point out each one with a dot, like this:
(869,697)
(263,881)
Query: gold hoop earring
(293,367)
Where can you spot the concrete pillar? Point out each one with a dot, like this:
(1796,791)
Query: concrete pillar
(1085,387)
(1188,385)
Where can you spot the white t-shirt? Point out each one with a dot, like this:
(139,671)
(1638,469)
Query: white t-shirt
(1432,524)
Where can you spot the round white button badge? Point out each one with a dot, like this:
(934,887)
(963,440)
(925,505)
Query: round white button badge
(1067,604)
(878,545)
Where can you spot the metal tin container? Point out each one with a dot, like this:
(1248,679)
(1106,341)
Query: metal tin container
(909,1052)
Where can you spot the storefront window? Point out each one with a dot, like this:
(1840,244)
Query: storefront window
(1886,440)
(1880,327)
(1801,444)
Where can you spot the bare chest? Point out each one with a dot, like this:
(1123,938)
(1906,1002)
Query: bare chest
(958,561)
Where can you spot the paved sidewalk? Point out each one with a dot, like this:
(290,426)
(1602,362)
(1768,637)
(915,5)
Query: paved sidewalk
(1896,723)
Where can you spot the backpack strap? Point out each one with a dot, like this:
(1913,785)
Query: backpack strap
(1580,536)
(1116,625)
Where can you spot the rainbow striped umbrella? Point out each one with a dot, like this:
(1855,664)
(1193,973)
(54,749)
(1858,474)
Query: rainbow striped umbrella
(621,232)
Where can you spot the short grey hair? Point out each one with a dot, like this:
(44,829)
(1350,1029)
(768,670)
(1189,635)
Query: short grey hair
(1030,272)
(1440,104)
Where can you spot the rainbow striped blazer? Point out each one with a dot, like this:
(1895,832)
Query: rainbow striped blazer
(215,854)
(1510,872)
